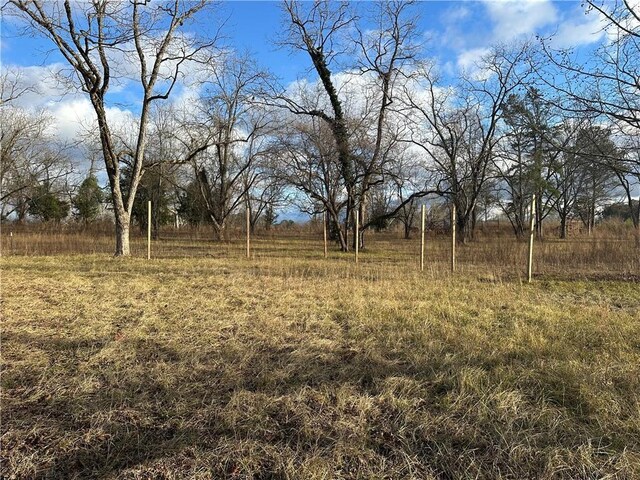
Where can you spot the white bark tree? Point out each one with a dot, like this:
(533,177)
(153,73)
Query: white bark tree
(95,38)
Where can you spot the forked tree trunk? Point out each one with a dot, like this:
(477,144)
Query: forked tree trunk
(219,231)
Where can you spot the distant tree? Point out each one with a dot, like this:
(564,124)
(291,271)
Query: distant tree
(151,188)
(593,144)
(458,128)
(328,32)
(287,224)
(265,198)
(619,210)
(191,206)
(88,200)
(269,217)
(530,152)
(46,205)
(29,156)
(266,192)
(606,87)
(308,161)
(378,207)
(229,133)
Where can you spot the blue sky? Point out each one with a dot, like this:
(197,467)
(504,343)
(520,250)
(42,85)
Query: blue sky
(451,28)
(456,33)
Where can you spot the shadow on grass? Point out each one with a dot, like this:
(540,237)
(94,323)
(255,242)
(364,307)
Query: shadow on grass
(265,410)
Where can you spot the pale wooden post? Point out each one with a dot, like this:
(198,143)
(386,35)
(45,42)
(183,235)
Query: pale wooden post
(357,233)
(422,239)
(532,222)
(453,237)
(11,240)
(324,232)
(248,232)
(149,230)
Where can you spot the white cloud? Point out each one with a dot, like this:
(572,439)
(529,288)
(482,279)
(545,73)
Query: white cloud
(578,31)
(70,110)
(456,14)
(74,119)
(513,19)
(470,61)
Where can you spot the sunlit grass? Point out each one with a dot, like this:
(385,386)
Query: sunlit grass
(292,366)
(610,253)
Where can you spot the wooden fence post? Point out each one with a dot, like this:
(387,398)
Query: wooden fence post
(248,232)
(11,242)
(324,232)
(422,225)
(149,230)
(453,237)
(357,233)
(532,222)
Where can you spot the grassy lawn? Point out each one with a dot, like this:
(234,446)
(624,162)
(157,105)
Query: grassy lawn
(303,368)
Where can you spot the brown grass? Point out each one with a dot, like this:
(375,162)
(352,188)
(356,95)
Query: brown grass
(609,253)
(208,365)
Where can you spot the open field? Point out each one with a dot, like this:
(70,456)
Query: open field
(608,254)
(203,364)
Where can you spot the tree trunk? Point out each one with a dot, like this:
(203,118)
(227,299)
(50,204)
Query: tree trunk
(539,231)
(563,227)
(219,232)
(344,235)
(122,235)
(461,229)
(342,238)
(155,221)
(362,221)
(472,230)
(407,231)
(636,223)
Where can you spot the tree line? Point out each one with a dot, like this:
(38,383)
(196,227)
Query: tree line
(377,129)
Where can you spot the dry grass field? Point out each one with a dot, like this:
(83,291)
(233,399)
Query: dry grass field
(203,364)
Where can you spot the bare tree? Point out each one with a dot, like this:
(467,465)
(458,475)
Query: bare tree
(610,154)
(92,36)
(606,85)
(29,157)
(457,128)
(386,53)
(226,138)
(11,86)
(322,31)
(266,192)
(537,156)
(307,160)
(405,182)
(318,31)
